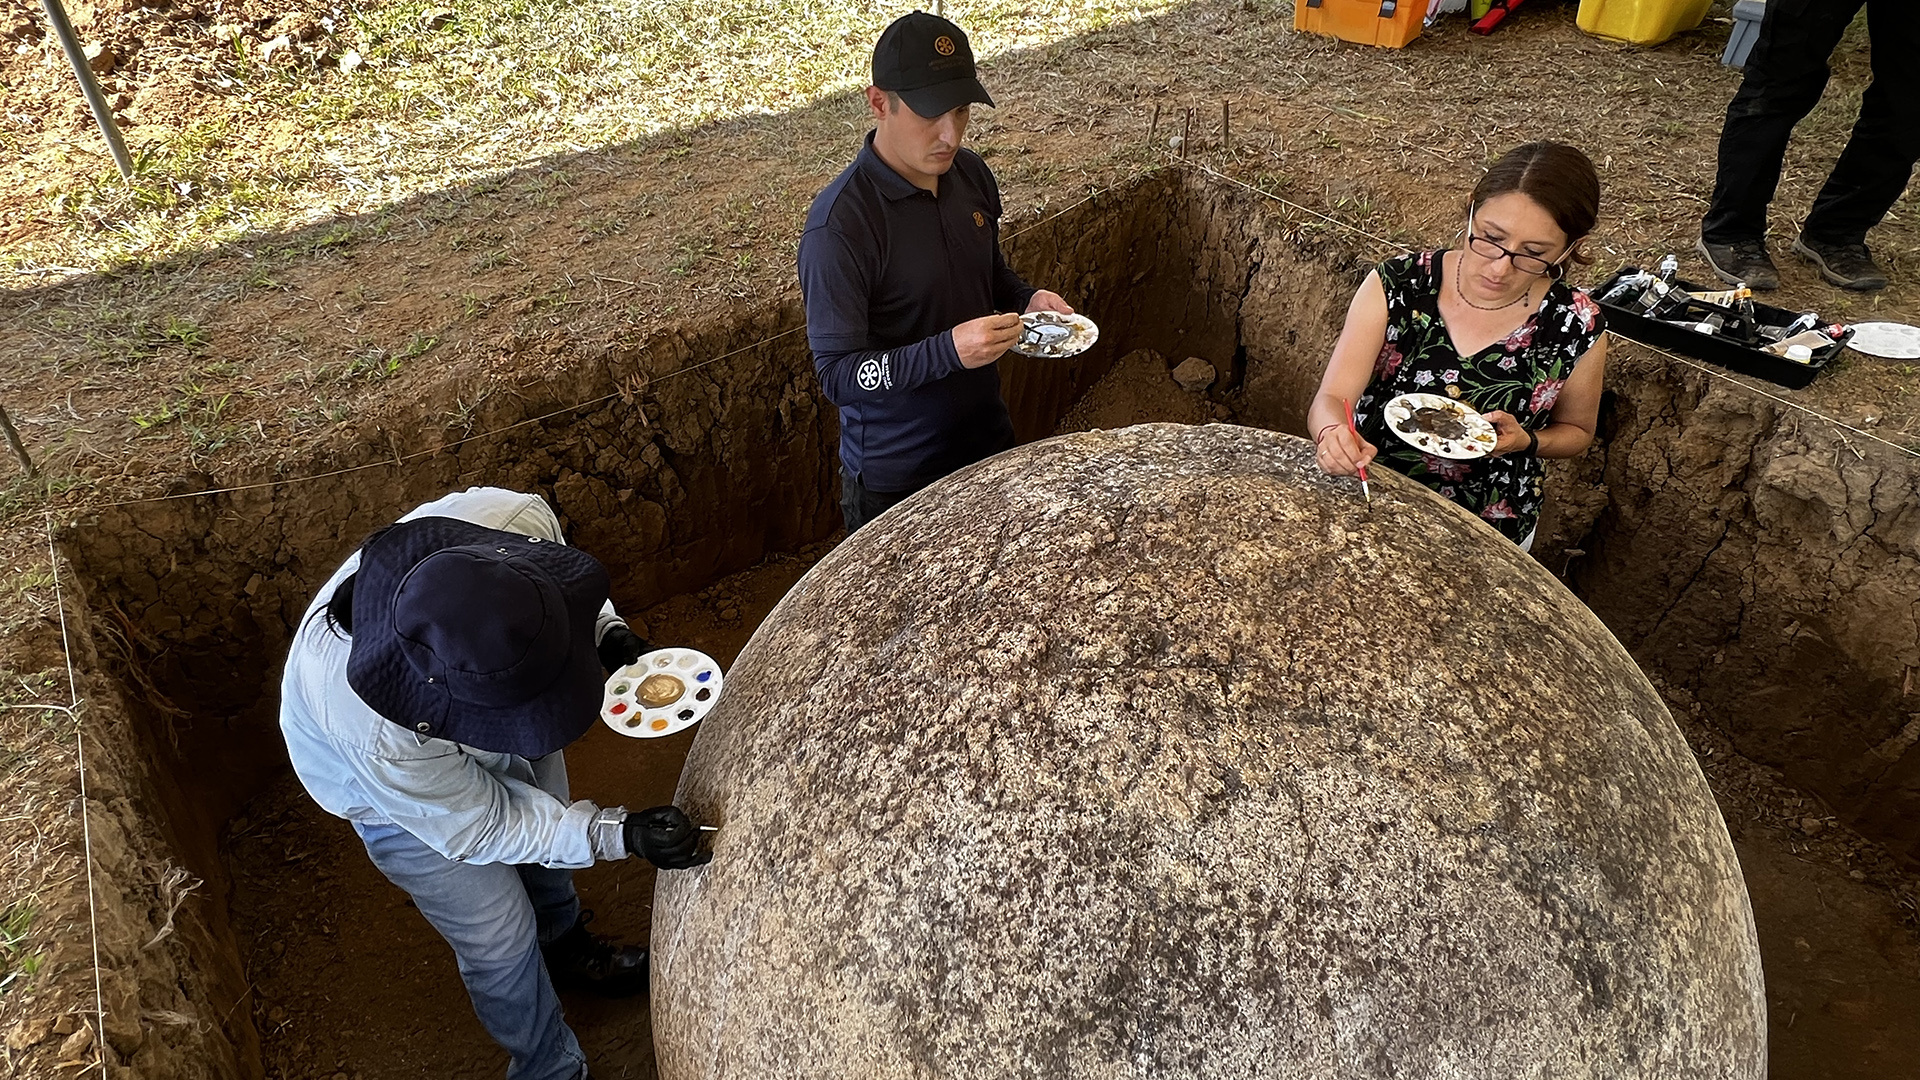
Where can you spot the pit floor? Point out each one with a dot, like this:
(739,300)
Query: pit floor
(349,979)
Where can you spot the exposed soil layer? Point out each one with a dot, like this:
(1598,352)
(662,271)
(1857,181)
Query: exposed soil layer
(1763,593)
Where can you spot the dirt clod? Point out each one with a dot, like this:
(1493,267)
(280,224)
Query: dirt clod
(1194,374)
(30,1032)
(77,1044)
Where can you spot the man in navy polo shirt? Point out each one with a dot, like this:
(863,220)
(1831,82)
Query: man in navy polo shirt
(909,301)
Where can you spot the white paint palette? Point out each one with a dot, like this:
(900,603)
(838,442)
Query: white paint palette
(664,692)
(1440,426)
(1051,334)
(1887,340)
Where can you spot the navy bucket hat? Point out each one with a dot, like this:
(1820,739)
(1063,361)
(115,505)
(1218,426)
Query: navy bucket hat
(479,636)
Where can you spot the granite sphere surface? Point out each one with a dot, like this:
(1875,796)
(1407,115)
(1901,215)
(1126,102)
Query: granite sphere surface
(1158,753)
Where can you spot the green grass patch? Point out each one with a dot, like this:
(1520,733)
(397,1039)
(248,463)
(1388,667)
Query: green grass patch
(17,963)
(404,103)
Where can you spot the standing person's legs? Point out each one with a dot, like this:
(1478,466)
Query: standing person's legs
(859,505)
(1874,168)
(1786,72)
(483,911)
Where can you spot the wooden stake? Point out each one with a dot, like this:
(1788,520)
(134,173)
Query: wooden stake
(1153,130)
(1226,125)
(19,448)
(1186,135)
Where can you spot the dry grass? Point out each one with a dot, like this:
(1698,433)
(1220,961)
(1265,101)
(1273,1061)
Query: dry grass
(400,98)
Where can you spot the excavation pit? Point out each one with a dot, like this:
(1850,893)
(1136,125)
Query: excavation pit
(1761,570)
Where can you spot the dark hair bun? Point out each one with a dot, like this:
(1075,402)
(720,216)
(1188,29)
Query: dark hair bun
(1561,178)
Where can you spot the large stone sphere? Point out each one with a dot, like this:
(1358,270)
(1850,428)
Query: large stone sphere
(1157,753)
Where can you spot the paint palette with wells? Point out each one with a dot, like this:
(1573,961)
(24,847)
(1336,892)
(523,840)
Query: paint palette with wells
(663,692)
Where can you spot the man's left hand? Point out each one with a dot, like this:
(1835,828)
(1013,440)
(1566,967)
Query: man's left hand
(619,647)
(1048,301)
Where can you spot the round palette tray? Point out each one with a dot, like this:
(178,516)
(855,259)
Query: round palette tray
(663,692)
(1053,335)
(1887,340)
(1478,442)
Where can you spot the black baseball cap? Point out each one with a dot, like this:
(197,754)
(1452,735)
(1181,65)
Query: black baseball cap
(927,61)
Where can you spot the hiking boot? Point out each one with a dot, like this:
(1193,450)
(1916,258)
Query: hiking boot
(1744,262)
(1849,266)
(578,960)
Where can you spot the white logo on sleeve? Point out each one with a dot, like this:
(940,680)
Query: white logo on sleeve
(875,372)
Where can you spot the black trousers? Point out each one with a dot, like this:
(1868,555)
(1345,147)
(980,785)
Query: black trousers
(859,505)
(1786,71)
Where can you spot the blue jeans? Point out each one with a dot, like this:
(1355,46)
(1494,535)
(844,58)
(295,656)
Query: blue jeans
(496,917)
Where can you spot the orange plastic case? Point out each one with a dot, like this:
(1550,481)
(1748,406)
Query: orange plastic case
(1387,23)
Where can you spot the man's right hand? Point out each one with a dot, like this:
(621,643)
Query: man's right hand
(665,837)
(982,341)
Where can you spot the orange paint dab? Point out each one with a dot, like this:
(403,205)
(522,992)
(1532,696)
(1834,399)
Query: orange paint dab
(660,724)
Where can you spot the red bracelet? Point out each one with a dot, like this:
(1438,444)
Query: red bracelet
(1322,433)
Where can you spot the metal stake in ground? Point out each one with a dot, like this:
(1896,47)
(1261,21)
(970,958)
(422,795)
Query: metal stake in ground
(13,440)
(97,101)
(1226,126)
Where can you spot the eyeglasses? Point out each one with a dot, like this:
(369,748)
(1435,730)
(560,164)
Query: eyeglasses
(1487,249)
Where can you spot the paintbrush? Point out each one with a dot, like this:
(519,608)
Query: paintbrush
(1364,491)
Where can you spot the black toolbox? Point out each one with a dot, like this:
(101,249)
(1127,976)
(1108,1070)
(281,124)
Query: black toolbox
(1630,321)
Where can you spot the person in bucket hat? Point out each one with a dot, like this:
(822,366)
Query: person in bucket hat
(909,300)
(429,691)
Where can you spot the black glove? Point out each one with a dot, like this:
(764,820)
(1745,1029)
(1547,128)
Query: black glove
(666,836)
(620,646)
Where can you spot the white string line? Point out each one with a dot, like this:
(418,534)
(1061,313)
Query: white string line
(86,824)
(403,458)
(1713,372)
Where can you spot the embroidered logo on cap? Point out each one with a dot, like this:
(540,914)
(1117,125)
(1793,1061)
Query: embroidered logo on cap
(943,45)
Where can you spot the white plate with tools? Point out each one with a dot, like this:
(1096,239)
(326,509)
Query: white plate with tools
(1887,340)
(1440,426)
(1053,335)
(662,693)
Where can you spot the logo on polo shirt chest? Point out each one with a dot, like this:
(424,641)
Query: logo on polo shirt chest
(979,220)
(943,45)
(875,372)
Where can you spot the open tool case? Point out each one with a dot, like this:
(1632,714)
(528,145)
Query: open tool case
(1626,317)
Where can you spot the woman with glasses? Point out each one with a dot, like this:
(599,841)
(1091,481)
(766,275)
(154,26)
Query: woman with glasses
(1490,324)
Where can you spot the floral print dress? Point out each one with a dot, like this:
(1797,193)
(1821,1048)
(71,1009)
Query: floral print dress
(1520,374)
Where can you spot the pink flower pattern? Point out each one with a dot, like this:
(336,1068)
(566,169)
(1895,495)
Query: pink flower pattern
(1521,374)
(1388,363)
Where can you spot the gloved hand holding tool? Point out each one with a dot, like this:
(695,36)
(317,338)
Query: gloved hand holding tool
(666,837)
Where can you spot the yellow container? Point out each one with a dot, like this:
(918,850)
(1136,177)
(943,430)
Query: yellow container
(1641,22)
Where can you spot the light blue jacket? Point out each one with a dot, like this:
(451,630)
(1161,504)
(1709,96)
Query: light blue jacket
(469,805)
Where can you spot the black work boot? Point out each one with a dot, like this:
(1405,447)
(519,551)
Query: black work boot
(1743,263)
(578,960)
(1849,266)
